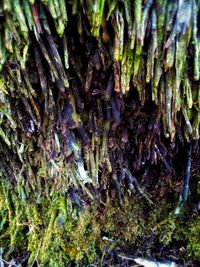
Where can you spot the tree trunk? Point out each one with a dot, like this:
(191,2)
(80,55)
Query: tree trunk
(99,132)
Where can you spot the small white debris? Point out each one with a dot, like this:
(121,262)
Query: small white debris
(153,263)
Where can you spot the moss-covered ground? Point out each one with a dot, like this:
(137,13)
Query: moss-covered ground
(54,231)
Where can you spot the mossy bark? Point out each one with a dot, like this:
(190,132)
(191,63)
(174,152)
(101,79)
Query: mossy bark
(99,102)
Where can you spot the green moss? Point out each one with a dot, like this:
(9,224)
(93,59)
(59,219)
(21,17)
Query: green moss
(193,237)
(188,231)
(54,233)
(126,224)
